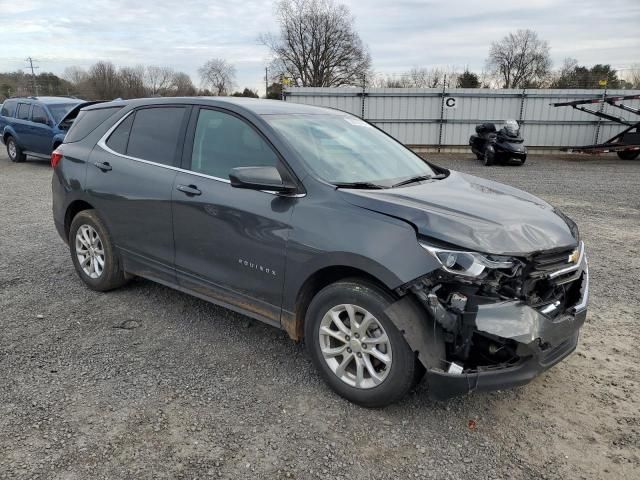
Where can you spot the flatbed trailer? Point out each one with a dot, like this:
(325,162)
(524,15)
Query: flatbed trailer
(626,144)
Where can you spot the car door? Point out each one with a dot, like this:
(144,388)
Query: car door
(129,181)
(21,125)
(40,131)
(230,243)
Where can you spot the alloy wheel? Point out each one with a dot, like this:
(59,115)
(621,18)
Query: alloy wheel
(90,251)
(355,346)
(11,148)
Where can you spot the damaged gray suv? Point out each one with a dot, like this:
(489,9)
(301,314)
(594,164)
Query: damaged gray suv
(316,222)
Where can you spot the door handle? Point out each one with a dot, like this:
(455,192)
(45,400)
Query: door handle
(104,166)
(189,189)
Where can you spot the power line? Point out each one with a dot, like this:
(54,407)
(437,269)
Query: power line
(33,74)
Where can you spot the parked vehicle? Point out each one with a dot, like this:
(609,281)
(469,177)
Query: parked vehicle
(36,125)
(498,147)
(317,222)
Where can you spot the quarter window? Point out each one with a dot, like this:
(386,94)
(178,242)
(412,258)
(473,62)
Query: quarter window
(23,111)
(154,134)
(223,141)
(118,140)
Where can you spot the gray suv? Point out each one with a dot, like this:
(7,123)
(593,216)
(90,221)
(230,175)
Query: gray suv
(316,222)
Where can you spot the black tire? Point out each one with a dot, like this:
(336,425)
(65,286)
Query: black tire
(112,275)
(402,375)
(628,154)
(487,159)
(12,146)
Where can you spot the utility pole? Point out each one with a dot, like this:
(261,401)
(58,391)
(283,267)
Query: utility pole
(33,75)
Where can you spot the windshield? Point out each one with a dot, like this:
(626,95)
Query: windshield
(345,149)
(59,110)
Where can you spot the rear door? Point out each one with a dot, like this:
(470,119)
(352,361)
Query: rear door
(230,242)
(22,124)
(130,179)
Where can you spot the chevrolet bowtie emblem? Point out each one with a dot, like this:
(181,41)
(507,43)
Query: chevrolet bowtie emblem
(573,258)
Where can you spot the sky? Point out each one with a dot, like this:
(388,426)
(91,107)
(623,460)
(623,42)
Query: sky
(400,34)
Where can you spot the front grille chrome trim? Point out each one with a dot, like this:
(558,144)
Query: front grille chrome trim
(572,268)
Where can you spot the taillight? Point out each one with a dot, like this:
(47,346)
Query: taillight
(56,156)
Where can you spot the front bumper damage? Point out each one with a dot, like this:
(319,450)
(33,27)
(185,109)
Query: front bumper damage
(496,343)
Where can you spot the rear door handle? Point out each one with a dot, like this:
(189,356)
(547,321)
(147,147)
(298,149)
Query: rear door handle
(104,166)
(189,189)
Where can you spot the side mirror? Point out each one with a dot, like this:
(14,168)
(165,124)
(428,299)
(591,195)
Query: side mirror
(259,178)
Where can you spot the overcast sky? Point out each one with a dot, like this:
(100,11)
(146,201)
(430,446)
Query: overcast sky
(400,34)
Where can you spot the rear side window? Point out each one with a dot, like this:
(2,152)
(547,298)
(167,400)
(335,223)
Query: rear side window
(87,121)
(23,111)
(154,134)
(119,139)
(9,108)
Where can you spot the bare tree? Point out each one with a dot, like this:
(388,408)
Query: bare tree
(632,76)
(520,59)
(104,81)
(132,82)
(158,79)
(75,75)
(219,75)
(182,86)
(317,45)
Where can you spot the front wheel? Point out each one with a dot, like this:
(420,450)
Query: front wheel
(14,151)
(487,158)
(356,347)
(93,253)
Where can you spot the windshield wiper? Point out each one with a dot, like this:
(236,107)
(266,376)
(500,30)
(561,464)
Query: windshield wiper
(362,185)
(418,178)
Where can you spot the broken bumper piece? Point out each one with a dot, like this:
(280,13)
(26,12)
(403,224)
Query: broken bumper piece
(443,386)
(542,340)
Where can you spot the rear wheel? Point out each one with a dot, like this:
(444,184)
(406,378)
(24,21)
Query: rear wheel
(93,253)
(14,151)
(628,154)
(356,347)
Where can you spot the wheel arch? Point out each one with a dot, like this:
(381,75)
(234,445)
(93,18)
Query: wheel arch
(73,209)
(293,322)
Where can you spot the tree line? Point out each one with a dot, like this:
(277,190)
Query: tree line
(317,45)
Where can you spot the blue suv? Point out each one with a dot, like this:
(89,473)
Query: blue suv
(35,126)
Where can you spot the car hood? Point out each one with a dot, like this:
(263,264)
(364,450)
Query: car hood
(473,213)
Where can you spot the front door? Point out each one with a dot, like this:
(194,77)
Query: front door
(230,243)
(41,133)
(130,179)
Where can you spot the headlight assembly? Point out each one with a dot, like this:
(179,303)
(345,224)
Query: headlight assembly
(469,264)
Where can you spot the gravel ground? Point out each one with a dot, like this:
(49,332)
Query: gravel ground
(146,382)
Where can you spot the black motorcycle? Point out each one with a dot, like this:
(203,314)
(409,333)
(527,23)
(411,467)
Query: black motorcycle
(491,146)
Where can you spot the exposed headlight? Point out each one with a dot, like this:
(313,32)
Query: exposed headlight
(470,264)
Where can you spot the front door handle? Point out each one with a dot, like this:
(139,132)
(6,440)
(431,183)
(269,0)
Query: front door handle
(189,189)
(104,166)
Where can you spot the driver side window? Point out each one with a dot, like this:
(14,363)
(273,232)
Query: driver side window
(223,141)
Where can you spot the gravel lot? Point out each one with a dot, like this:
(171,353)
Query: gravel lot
(146,382)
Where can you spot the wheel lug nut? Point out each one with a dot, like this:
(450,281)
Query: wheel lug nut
(359,354)
(357,336)
(364,346)
(347,338)
(349,350)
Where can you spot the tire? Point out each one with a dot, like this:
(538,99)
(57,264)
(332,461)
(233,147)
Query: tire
(628,154)
(487,159)
(354,298)
(89,234)
(14,151)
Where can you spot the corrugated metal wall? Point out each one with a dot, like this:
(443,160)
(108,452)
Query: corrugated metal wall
(420,116)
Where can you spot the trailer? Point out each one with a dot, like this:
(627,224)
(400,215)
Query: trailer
(625,144)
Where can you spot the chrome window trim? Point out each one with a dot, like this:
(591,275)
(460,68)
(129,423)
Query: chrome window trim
(102,143)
